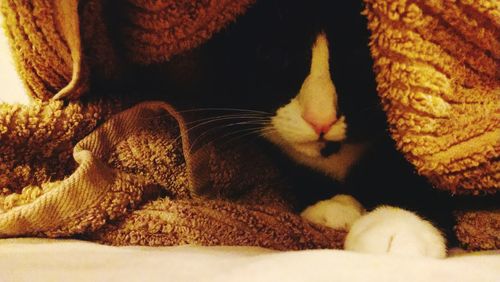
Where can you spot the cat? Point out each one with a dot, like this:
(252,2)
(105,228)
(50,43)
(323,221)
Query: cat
(313,113)
(308,64)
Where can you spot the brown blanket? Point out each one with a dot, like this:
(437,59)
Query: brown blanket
(131,181)
(135,184)
(438,76)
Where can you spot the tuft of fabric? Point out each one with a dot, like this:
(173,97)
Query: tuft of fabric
(437,67)
(134,183)
(479,230)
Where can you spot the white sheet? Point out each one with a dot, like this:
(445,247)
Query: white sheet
(12,89)
(71,260)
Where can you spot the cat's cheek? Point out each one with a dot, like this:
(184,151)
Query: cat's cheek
(393,230)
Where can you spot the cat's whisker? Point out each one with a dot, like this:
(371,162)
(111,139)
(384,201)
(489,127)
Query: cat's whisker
(224,126)
(207,122)
(240,111)
(246,138)
(257,131)
(253,130)
(227,117)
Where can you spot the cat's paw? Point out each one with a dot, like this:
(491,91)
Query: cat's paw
(395,231)
(339,212)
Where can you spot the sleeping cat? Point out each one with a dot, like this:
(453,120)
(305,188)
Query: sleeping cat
(313,113)
(307,64)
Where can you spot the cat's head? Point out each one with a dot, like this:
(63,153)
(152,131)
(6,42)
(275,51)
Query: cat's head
(310,127)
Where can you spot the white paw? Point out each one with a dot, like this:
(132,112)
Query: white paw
(340,211)
(395,231)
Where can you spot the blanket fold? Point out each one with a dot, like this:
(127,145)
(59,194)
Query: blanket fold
(46,36)
(138,156)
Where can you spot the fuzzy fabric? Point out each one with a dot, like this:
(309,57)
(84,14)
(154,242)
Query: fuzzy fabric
(479,229)
(438,75)
(130,182)
(135,182)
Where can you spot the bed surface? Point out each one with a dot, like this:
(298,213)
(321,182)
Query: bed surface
(32,259)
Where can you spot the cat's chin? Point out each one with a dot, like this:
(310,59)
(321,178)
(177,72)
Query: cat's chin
(336,165)
(301,150)
(298,150)
(309,149)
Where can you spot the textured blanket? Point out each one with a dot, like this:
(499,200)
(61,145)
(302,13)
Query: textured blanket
(438,77)
(72,164)
(438,74)
(136,183)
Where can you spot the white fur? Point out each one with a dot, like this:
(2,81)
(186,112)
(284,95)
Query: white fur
(339,212)
(395,231)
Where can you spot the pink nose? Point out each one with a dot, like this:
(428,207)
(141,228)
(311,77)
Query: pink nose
(320,123)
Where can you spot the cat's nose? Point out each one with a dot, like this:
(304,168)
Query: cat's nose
(321,123)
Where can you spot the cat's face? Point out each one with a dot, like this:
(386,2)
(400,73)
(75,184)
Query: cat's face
(310,123)
(310,127)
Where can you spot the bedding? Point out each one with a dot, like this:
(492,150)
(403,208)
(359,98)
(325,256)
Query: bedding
(29,259)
